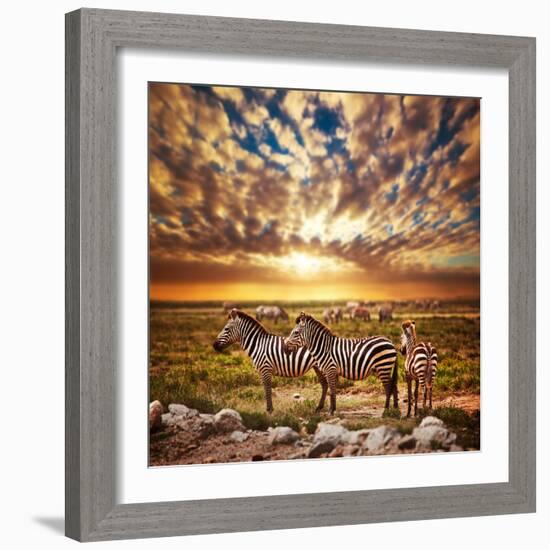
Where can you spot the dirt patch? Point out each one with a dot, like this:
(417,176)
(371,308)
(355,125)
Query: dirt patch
(173,447)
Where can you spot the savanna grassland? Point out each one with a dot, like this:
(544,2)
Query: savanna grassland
(184,368)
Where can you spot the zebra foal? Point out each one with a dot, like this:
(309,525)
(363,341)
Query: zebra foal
(420,365)
(267,353)
(352,358)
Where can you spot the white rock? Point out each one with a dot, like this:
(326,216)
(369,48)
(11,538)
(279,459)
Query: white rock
(239,436)
(427,436)
(379,437)
(330,433)
(357,437)
(431,421)
(283,434)
(178,410)
(228,420)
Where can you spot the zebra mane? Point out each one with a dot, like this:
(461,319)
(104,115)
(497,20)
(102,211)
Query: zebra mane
(318,323)
(250,319)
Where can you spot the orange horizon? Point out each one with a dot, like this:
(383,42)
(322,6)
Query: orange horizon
(302,292)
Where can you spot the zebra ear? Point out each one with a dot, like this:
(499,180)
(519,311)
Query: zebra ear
(233,314)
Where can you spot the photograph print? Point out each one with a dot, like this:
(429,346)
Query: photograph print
(314,274)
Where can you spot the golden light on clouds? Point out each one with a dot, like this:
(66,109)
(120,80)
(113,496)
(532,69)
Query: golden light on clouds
(274,194)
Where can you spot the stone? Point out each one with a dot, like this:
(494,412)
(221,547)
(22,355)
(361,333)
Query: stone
(350,450)
(431,421)
(356,437)
(433,436)
(320,448)
(337,452)
(239,436)
(407,442)
(166,419)
(257,458)
(283,434)
(379,437)
(178,410)
(228,420)
(155,415)
(332,434)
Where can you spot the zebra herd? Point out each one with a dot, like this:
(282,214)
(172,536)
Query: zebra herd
(312,345)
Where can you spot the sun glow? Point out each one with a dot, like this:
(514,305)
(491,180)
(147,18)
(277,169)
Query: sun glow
(301,264)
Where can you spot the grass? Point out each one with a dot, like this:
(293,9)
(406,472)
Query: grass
(184,368)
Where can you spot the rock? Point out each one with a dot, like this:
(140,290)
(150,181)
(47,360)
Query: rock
(320,448)
(155,415)
(228,420)
(257,458)
(432,436)
(239,436)
(178,410)
(431,421)
(337,452)
(407,442)
(455,448)
(209,460)
(350,450)
(166,419)
(357,437)
(330,433)
(379,437)
(283,434)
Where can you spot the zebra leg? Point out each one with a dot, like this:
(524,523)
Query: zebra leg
(388,388)
(395,394)
(415,397)
(266,380)
(431,398)
(332,378)
(425,396)
(324,388)
(409,395)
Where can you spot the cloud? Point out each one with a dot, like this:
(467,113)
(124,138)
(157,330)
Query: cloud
(380,187)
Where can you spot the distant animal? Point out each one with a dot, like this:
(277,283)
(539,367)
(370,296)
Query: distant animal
(420,365)
(360,312)
(271,312)
(352,358)
(267,353)
(333,315)
(228,306)
(385,314)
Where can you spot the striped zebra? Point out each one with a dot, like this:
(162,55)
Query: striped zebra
(267,353)
(352,358)
(420,365)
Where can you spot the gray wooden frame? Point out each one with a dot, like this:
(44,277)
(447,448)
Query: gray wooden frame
(92,39)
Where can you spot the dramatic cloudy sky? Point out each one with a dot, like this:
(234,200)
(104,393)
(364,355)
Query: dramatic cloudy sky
(272,194)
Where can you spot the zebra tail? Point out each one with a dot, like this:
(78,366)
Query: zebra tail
(394,374)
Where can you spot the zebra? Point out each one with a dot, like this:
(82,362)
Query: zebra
(360,312)
(420,365)
(352,358)
(271,312)
(267,353)
(333,315)
(385,314)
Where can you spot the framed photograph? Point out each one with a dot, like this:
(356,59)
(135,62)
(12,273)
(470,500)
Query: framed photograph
(300,275)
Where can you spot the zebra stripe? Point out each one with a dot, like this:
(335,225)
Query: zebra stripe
(352,358)
(268,353)
(420,365)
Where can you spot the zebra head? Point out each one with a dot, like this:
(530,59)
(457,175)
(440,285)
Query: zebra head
(408,336)
(296,338)
(230,333)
